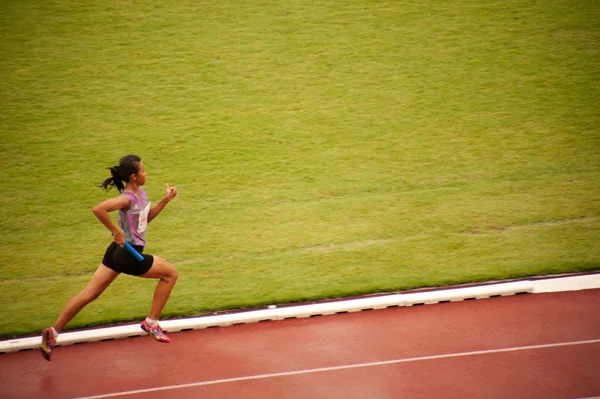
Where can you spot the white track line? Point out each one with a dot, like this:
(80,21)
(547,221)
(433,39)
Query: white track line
(346,367)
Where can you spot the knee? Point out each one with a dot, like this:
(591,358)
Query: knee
(172,276)
(163,270)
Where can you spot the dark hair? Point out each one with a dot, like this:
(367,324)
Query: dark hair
(128,165)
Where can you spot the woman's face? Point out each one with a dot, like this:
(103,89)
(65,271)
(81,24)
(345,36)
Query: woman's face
(141,175)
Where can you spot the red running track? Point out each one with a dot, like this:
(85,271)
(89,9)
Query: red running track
(525,346)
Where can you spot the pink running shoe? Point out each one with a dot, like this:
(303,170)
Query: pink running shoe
(48,343)
(156,332)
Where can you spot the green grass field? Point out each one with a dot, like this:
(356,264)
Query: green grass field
(321,149)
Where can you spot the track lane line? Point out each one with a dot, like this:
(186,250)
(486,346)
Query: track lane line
(343,367)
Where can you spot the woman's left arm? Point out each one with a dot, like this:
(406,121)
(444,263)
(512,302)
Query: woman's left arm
(169,196)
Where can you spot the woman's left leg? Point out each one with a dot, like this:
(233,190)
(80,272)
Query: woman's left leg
(167,274)
(101,279)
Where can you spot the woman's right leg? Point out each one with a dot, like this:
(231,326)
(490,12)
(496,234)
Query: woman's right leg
(102,278)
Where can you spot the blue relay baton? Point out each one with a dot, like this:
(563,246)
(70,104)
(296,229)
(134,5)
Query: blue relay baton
(132,251)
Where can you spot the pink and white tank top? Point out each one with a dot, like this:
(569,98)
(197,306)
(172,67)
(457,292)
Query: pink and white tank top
(133,223)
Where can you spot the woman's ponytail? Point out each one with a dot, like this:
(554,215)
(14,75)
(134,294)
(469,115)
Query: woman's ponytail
(128,165)
(113,181)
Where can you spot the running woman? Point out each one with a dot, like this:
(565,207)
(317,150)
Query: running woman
(134,213)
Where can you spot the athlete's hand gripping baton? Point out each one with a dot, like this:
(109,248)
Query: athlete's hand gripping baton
(132,251)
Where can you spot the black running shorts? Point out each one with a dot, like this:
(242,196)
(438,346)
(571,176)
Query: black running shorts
(121,261)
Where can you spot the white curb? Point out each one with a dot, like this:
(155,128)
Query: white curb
(300,311)
(569,283)
(461,294)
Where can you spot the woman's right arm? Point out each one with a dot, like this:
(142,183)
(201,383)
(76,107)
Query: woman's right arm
(101,211)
